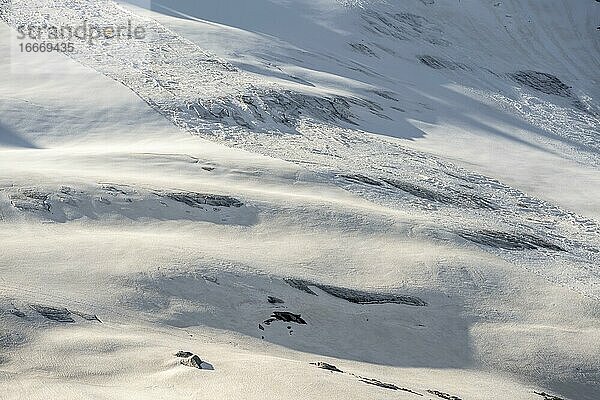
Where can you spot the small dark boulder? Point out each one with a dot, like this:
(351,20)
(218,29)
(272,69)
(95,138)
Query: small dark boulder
(18,313)
(288,317)
(191,360)
(199,200)
(194,362)
(274,300)
(543,82)
(547,396)
(380,384)
(52,313)
(328,367)
(443,395)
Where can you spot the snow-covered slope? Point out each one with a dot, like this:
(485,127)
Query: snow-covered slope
(458,72)
(406,191)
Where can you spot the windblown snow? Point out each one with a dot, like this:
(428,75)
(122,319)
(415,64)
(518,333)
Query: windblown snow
(299,199)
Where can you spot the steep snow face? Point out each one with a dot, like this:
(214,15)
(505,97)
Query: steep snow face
(499,86)
(494,37)
(296,244)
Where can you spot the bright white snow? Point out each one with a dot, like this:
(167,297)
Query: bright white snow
(389,170)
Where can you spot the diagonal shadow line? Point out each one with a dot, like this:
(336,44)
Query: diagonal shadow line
(11,139)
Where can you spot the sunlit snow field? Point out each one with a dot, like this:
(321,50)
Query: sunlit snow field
(404,192)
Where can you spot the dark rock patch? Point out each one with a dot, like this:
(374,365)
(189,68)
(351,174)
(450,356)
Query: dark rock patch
(30,200)
(547,396)
(356,296)
(453,197)
(113,190)
(328,367)
(211,279)
(443,395)
(384,385)
(17,313)
(441,63)
(193,361)
(52,313)
(385,94)
(363,48)
(368,381)
(375,382)
(357,178)
(543,82)
(362,297)
(275,300)
(285,317)
(300,285)
(508,241)
(199,200)
(258,108)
